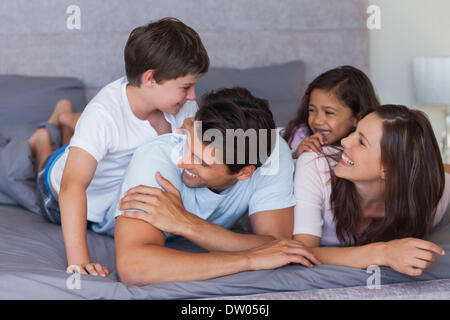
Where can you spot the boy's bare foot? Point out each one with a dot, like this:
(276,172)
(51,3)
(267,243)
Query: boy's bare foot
(68,121)
(61,107)
(40,146)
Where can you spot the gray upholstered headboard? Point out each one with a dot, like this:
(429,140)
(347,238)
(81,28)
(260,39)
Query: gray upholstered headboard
(35,39)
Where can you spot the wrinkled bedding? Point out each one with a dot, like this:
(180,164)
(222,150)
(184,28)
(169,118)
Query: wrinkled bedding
(33,260)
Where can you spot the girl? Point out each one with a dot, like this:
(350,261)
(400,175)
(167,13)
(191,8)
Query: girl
(387,191)
(328,109)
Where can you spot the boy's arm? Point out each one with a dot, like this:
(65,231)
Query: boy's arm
(142,258)
(78,173)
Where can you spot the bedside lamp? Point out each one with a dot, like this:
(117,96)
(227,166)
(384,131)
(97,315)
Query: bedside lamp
(431,77)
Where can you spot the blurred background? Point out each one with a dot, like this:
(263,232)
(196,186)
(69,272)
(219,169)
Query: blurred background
(85,39)
(411,29)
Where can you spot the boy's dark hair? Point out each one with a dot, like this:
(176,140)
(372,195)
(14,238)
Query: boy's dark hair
(237,109)
(169,47)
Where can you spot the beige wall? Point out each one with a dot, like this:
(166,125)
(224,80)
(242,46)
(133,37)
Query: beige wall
(409,28)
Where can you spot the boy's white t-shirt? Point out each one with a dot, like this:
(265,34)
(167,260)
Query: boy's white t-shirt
(312,190)
(110,132)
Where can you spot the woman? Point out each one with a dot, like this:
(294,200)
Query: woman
(387,191)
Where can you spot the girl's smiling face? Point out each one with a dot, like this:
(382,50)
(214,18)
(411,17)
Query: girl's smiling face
(327,115)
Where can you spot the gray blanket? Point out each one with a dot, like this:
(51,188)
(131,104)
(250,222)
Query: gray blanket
(33,260)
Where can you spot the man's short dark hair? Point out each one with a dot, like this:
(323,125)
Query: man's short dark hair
(237,109)
(169,47)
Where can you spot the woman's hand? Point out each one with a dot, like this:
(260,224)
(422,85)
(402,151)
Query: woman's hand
(410,255)
(279,253)
(312,143)
(95,269)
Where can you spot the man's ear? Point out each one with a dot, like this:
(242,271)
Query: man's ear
(246,172)
(147,78)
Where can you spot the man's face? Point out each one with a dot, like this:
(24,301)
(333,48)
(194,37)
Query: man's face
(203,165)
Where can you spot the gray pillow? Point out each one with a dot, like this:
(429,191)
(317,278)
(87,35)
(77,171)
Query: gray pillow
(281,85)
(5,199)
(31,99)
(26,101)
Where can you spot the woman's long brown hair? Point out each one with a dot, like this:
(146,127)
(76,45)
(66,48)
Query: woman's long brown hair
(413,187)
(349,85)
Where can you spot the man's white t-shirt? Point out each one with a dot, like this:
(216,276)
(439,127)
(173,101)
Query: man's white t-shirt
(110,132)
(312,190)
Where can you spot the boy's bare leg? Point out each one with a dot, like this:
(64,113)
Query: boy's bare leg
(68,121)
(40,147)
(40,142)
(62,108)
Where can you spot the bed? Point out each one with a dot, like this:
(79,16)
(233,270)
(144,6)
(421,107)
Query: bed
(32,264)
(273,50)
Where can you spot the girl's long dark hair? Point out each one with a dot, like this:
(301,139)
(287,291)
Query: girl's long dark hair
(413,187)
(349,85)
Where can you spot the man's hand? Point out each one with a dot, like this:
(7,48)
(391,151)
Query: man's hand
(278,253)
(162,209)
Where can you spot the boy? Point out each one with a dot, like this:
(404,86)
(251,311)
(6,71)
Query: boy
(77,184)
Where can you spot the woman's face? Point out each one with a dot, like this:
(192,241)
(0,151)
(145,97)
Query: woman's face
(327,115)
(361,159)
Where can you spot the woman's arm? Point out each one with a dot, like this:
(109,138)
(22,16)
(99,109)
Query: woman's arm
(357,257)
(410,255)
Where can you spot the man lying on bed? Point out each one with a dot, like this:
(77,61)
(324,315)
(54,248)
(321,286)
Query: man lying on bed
(204,191)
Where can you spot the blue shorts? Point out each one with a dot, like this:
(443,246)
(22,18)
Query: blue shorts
(47,201)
